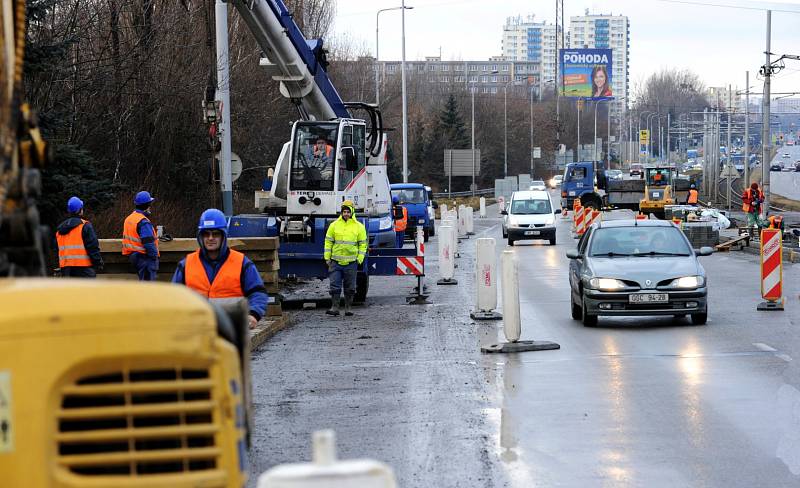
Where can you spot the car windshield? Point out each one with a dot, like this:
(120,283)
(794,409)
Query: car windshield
(537,183)
(530,207)
(314,156)
(638,241)
(410,195)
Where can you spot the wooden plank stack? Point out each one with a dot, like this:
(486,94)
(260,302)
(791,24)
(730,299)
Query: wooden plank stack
(263,251)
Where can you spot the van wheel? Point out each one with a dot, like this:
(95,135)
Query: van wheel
(425,234)
(433,229)
(510,241)
(362,287)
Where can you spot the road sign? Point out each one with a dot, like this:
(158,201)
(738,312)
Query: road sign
(236,166)
(460,160)
(537,152)
(644,137)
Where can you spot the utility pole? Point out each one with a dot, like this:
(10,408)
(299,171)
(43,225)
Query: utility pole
(472,187)
(578,152)
(746,130)
(706,154)
(505,131)
(717,161)
(531,149)
(729,150)
(765,132)
(405,97)
(224,96)
(608,137)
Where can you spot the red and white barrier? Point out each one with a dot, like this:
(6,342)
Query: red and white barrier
(771,269)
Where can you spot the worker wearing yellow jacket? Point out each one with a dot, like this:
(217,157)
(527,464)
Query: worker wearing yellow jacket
(345,250)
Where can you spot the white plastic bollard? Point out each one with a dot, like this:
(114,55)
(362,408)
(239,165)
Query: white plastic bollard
(446,255)
(512,325)
(470,224)
(485,280)
(442,210)
(325,471)
(501,204)
(454,235)
(462,221)
(482,210)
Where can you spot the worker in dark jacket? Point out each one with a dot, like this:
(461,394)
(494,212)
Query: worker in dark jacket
(139,239)
(78,248)
(220,273)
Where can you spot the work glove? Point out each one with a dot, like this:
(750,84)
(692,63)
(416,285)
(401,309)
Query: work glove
(330,265)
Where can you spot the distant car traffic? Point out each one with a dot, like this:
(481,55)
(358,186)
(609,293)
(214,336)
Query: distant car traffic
(614,174)
(775,167)
(797,166)
(530,215)
(636,267)
(555,181)
(636,170)
(537,185)
(786,156)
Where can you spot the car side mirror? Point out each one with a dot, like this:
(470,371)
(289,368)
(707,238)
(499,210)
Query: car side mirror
(434,205)
(557,211)
(349,157)
(397,212)
(504,212)
(705,251)
(573,254)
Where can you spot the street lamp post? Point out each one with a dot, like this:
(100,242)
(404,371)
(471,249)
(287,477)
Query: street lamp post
(377,66)
(650,135)
(405,98)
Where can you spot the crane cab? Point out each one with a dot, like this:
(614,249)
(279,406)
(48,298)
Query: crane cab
(327,163)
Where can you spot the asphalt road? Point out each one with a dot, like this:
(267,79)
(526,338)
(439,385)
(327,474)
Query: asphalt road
(792,151)
(634,402)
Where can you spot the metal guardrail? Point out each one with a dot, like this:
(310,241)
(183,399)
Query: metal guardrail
(485,191)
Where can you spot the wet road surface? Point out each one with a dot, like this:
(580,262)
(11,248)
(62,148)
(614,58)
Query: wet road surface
(632,402)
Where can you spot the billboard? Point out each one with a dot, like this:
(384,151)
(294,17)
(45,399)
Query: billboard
(586,73)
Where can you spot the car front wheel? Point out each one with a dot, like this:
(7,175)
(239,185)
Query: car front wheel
(588,319)
(576,310)
(699,318)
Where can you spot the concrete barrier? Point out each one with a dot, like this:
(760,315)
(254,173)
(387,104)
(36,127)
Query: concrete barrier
(485,280)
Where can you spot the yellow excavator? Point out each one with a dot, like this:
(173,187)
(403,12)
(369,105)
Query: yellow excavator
(658,192)
(104,384)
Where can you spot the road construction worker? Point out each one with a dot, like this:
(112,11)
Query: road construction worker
(345,250)
(775,222)
(220,273)
(751,203)
(400,224)
(691,199)
(78,248)
(139,239)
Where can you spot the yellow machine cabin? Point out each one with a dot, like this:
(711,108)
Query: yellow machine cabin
(657,190)
(108,384)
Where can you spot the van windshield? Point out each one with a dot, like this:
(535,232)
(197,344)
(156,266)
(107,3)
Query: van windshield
(410,195)
(530,207)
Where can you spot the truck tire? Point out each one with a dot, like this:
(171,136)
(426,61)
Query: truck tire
(425,234)
(362,287)
(592,202)
(433,229)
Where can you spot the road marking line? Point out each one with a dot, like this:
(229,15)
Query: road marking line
(764,347)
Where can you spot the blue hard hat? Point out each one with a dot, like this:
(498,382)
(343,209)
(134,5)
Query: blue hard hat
(692,186)
(74,205)
(213,219)
(143,197)
(395,200)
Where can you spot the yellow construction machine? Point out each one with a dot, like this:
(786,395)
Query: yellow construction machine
(658,181)
(104,384)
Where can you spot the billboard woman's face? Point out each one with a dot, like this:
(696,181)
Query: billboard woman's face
(599,78)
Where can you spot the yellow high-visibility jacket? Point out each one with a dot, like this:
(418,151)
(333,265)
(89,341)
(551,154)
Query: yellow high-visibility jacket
(346,241)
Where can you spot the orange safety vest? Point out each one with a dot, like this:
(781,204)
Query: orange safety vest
(328,150)
(775,221)
(692,196)
(227,283)
(131,241)
(747,197)
(71,251)
(400,225)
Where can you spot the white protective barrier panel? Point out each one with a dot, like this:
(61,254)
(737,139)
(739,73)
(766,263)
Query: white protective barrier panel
(468,220)
(446,252)
(462,221)
(326,472)
(442,210)
(482,211)
(501,204)
(452,222)
(485,275)
(511,314)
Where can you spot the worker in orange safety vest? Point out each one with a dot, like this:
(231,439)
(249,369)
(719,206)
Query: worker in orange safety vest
(400,224)
(78,248)
(751,203)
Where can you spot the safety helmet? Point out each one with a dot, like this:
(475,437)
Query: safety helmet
(349,204)
(754,185)
(213,219)
(142,198)
(395,200)
(692,186)
(74,205)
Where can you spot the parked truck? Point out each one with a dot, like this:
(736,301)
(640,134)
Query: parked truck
(416,199)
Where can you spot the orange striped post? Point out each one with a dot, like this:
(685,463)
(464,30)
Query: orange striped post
(771,270)
(584,216)
(596,216)
(641,216)
(677,221)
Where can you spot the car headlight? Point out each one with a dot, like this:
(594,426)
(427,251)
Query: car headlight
(606,284)
(688,282)
(421,220)
(386,223)
(550,220)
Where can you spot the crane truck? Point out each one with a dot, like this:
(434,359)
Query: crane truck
(308,183)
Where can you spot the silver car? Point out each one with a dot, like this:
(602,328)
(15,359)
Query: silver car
(636,267)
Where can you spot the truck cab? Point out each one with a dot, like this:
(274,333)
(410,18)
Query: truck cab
(580,182)
(415,198)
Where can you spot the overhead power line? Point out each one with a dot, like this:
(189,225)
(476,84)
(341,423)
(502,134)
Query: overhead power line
(721,5)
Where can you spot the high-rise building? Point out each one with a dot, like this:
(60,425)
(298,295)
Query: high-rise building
(528,40)
(606,32)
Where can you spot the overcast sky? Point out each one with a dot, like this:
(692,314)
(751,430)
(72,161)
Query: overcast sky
(717,43)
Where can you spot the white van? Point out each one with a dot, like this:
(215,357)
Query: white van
(530,215)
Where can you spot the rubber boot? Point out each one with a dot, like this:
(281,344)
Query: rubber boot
(334,310)
(348,302)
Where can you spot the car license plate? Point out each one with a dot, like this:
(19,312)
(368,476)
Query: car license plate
(572,193)
(649,298)
(531,232)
